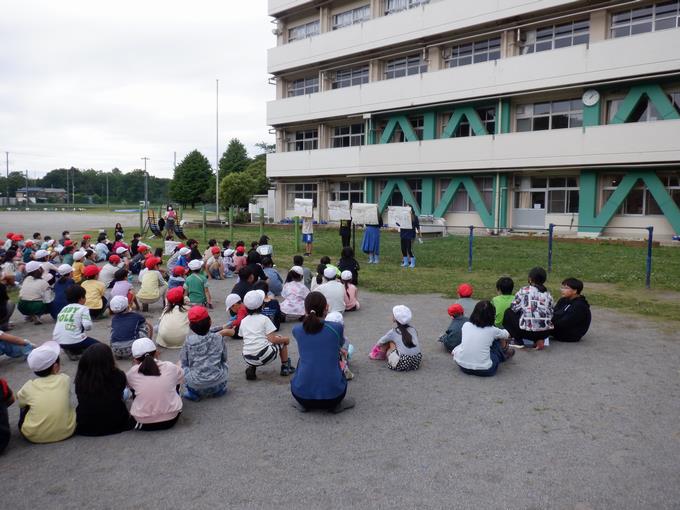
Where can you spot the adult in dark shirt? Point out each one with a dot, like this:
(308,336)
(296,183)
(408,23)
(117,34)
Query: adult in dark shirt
(571,315)
(407,236)
(345,231)
(192,244)
(347,262)
(246,278)
(134,244)
(99,387)
(254,262)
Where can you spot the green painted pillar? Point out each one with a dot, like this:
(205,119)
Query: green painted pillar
(592,114)
(428,198)
(429,126)
(503,203)
(370,132)
(369,190)
(504,126)
(587,203)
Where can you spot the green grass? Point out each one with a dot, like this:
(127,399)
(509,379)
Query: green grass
(614,274)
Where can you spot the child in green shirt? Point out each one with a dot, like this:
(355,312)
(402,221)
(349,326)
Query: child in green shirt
(196,285)
(504,287)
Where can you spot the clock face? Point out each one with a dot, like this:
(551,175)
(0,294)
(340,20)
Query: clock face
(591,97)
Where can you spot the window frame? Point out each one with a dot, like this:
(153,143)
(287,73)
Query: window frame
(551,37)
(300,139)
(463,130)
(352,136)
(311,29)
(406,64)
(629,22)
(402,5)
(291,195)
(303,86)
(355,76)
(454,56)
(649,205)
(485,190)
(355,14)
(354,191)
(416,187)
(528,112)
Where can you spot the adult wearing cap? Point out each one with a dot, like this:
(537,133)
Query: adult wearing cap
(453,334)
(34,291)
(196,285)
(465,291)
(108,270)
(95,291)
(156,403)
(154,286)
(333,290)
(63,283)
(318,382)
(173,326)
(45,412)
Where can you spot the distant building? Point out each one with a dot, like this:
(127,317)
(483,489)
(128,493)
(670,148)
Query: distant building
(41,195)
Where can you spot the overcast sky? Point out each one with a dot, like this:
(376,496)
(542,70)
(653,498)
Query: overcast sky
(100,84)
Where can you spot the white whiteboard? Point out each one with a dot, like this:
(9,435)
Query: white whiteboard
(338,210)
(304,207)
(365,214)
(399,217)
(170,247)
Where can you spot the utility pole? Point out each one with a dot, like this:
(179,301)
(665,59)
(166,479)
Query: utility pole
(217,149)
(107,191)
(67,200)
(73,187)
(7,179)
(146,184)
(26,195)
(175,160)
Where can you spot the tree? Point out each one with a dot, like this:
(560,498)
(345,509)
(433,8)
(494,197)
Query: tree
(191,179)
(236,189)
(267,148)
(234,159)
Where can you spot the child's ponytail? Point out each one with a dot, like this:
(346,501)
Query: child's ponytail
(347,282)
(405,335)
(148,365)
(315,307)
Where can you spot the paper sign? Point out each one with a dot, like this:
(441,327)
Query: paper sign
(338,210)
(365,214)
(170,247)
(304,207)
(399,217)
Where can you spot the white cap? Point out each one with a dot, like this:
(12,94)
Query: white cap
(33,265)
(195,265)
(402,314)
(120,250)
(50,242)
(228,252)
(64,269)
(79,255)
(118,304)
(141,346)
(43,357)
(298,270)
(59,248)
(254,299)
(346,275)
(330,273)
(40,254)
(184,251)
(335,317)
(231,300)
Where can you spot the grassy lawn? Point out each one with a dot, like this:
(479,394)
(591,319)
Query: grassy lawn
(614,275)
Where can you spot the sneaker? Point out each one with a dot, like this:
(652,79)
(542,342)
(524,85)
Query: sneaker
(250,373)
(287,368)
(517,344)
(348,374)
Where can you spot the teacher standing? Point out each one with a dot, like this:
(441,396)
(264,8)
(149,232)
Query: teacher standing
(371,241)
(407,236)
(319,382)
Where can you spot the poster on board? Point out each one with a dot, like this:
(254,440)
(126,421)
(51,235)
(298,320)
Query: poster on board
(170,247)
(365,214)
(304,207)
(399,217)
(339,210)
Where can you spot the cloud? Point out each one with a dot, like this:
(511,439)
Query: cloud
(99,85)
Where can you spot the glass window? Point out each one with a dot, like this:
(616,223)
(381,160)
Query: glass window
(556,36)
(640,201)
(557,195)
(659,16)
(300,190)
(392,6)
(397,199)
(303,86)
(461,200)
(347,18)
(473,52)
(303,31)
(487,116)
(549,115)
(405,66)
(348,136)
(350,76)
(352,191)
(303,140)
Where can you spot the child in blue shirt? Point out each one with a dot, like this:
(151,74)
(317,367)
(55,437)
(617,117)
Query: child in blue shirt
(126,327)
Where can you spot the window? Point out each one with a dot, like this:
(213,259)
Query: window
(461,201)
(348,136)
(352,191)
(640,201)
(551,115)
(559,195)
(416,186)
(417,123)
(303,86)
(487,116)
(347,18)
(350,76)
(392,6)
(303,31)
(293,191)
(645,110)
(472,53)
(555,36)
(658,16)
(405,66)
(303,140)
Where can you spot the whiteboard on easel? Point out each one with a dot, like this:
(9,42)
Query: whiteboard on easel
(365,214)
(399,217)
(339,210)
(304,207)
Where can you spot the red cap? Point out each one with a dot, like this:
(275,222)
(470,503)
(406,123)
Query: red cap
(179,271)
(215,250)
(180,246)
(175,295)
(68,242)
(152,262)
(9,235)
(198,313)
(114,259)
(17,237)
(465,290)
(28,243)
(142,248)
(91,271)
(241,249)
(456,310)
(87,236)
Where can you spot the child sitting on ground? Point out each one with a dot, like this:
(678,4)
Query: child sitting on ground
(228,263)
(347,348)
(126,327)
(351,292)
(530,314)
(45,414)
(154,384)
(452,336)
(196,285)
(270,307)
(34,293)
(347,262)
(94,290)
(400,344)
(260,343)
(240,260)
(178,277)
(465,291)
(298,260)
(571,316)
(273,277)
(213,265)
(203,358)
(483,346)
(72,323)
(123,287)
(504,288)
(294,293)
(78,266)
(236,312)
(173,326)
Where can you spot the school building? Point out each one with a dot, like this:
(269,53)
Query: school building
(494,113)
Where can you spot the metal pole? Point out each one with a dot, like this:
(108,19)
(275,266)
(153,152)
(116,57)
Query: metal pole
(231,223)
(354,237)
(217,149)
(296,231)
(73,188)
(205,235)
(648,276)
(261,221)
(7,177)
(107,191)
(67,200)
(551,230)
(470,242)
(146,184)
(27,202)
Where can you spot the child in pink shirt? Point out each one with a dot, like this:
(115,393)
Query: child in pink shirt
(351,301)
